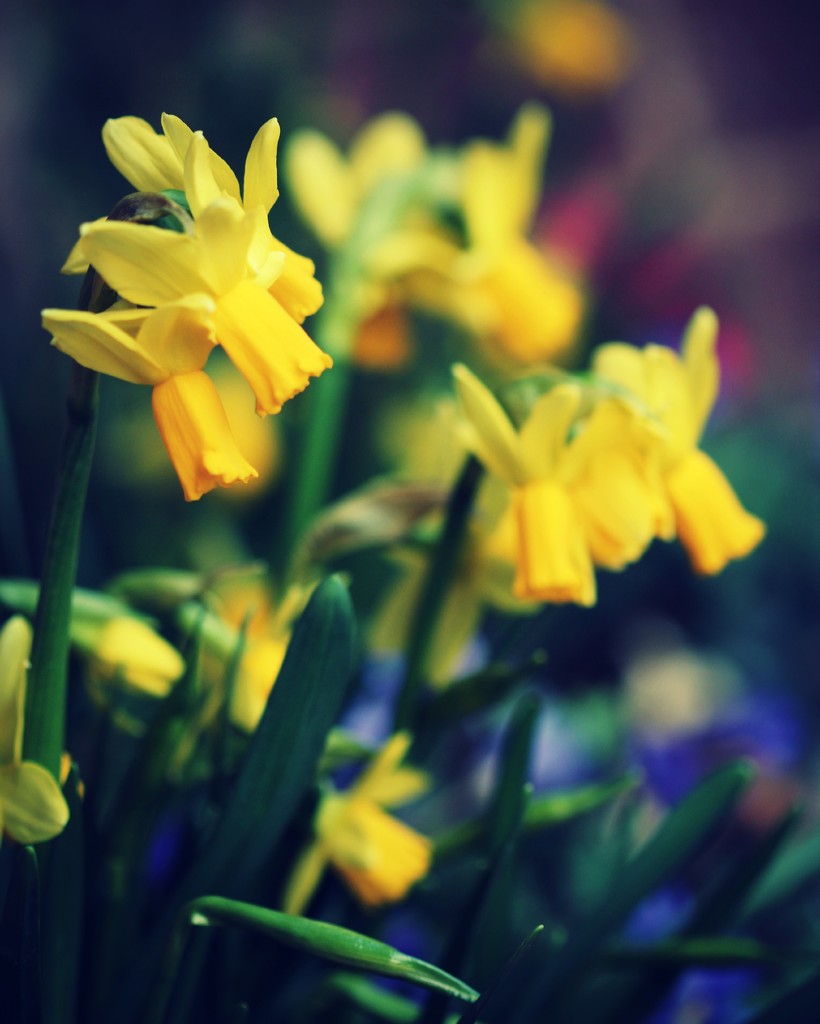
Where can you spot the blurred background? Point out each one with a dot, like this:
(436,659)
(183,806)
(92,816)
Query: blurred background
(683,170)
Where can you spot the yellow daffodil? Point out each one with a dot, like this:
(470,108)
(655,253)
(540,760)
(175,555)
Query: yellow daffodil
(554,561)
(579,48)
(204,292)
(32,806)
(525,301)
(128,650)
(378,856)
(680,391)
(181,159)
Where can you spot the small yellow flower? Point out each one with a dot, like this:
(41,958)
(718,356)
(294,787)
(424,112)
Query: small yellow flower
(527,303)
(128,650)
(379,857)
(32,806)
(181,159)
(680,391)
(577,47)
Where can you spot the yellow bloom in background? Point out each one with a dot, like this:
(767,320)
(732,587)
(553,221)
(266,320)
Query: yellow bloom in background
(526,303)
(379,857)
(32,806)
(404,258)
(579,48)
(127,650)
(181,159)
(680,390)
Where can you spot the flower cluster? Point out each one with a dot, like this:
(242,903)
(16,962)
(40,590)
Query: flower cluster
(224,279)
(597,472)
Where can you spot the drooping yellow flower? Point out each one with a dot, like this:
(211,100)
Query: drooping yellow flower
(181,159)
(32,806)
(680,391)
(585,488)
(554,561)
(526,303)
(379,857)
(165,349)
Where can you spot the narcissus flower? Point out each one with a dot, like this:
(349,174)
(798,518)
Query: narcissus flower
(378,856)
(680,391)
(32,806)
(527,304)
(128,650)
(203,292)
(583,488)
(181,159)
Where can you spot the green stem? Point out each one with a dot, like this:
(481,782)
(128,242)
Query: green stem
(440,571)
(44,736)
(326,402)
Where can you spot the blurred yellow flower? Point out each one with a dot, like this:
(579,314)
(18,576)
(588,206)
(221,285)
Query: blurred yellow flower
(378,856)
(577,47)
(525,302)
(680,391)
(181,159)
(127,650)
(32,806)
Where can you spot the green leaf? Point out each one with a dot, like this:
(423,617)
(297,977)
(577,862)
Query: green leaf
(702,951)
(373,999)
(683,831)
(500,984)
(328,941)
(542,811)
(795,867)
(507,809)
(798,1004)
(279,767)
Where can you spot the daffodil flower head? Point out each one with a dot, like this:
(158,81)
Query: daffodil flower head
(379,857)
(32,806)
(680,391)
(181,159)
(554,562)
(531,305)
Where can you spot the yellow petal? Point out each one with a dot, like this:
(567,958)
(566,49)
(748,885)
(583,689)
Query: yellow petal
(144,158)
(260,186)
(701,364)
(529,138)
(712,524)
(622,365)
(201,187)
(384,782)
(296,287)
(392,143)
(543,437)
(321,185)
(305,877)
(178,134)
(554,561)
(260,666)
(225,235)
(93,340)
(492,208)
(383,340)
(197,436)
(15,648)
(378,856)
(179,336)
(130,650)
(76,261)
(33,806)
(537,305)
(270,350)
(146,265)
(669,396)
(492,437)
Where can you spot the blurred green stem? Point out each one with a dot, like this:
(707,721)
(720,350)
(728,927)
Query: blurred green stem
(326,402)
(44,736)
(440,571)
